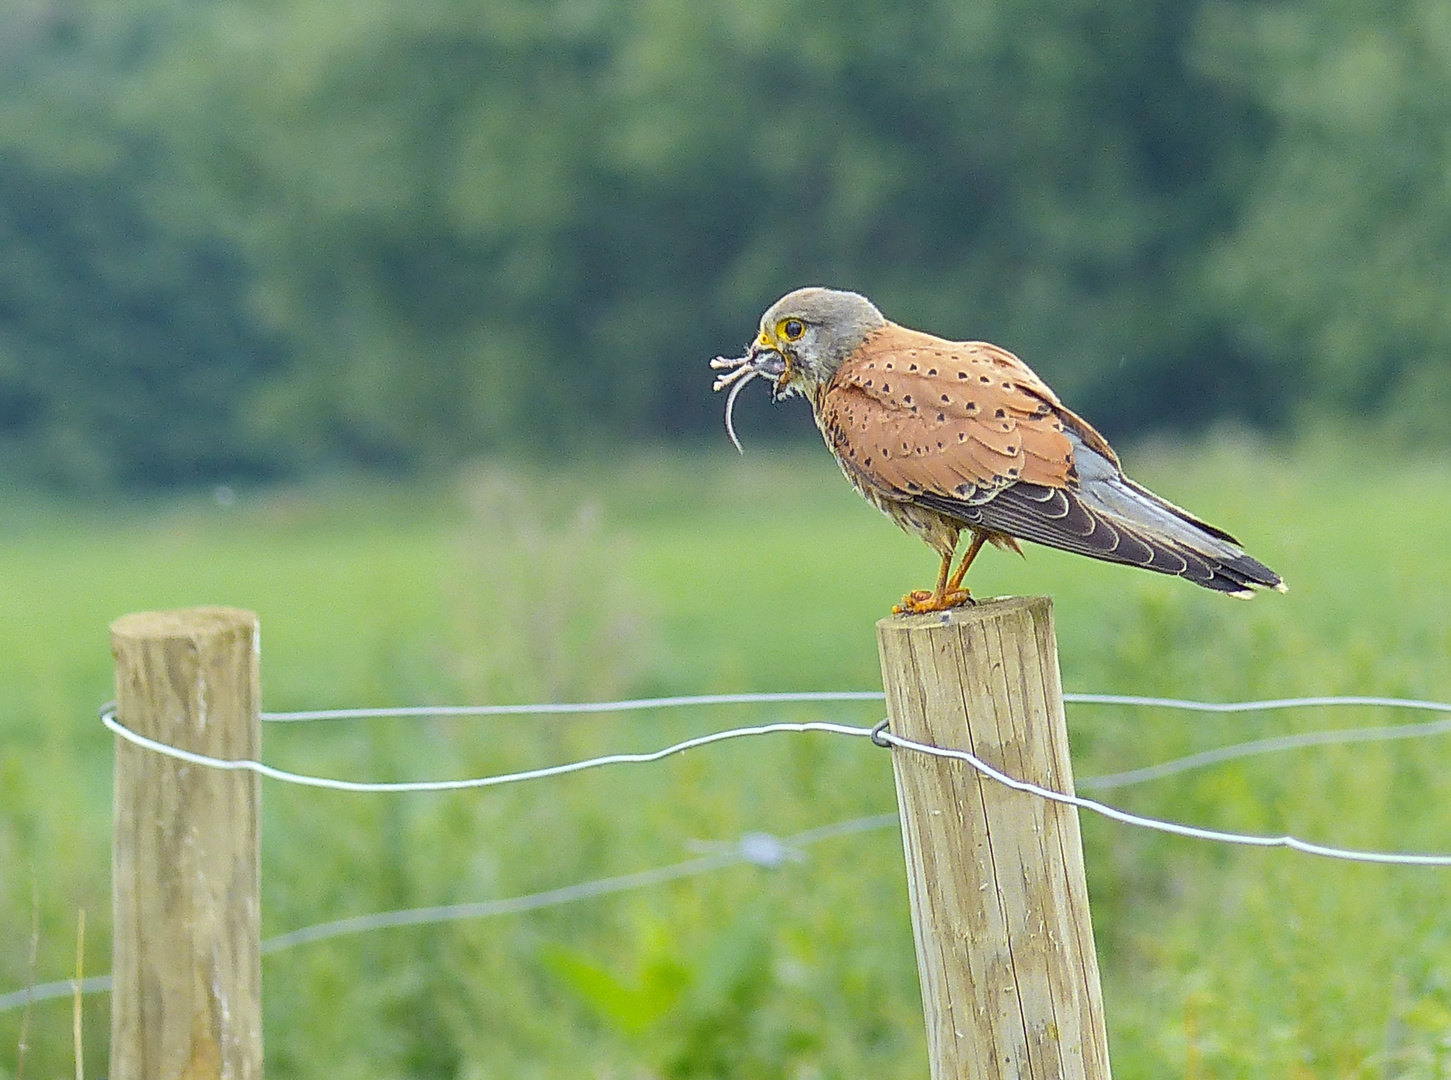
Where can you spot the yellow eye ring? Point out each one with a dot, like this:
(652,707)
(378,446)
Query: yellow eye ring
(791,329)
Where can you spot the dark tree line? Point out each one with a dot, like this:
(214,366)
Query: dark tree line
(254,238)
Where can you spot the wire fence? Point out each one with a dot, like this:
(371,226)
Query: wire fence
(756,848)
(881,737)
(764,849)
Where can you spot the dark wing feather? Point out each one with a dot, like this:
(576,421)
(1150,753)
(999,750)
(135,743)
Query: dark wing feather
(1060,518)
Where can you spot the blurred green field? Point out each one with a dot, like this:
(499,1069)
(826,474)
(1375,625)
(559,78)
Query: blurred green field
(711,574)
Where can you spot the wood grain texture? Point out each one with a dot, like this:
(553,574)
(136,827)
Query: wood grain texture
(1000,915)
(186,996)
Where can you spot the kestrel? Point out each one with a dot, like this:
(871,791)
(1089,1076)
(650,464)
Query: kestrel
(951,436)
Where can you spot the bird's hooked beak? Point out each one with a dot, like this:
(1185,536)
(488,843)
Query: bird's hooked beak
(767,357)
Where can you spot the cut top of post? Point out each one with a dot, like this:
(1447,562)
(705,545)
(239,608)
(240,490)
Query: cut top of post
(993,607)
(186,623)
(190,678)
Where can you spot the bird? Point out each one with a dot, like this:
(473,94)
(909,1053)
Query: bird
(952,437)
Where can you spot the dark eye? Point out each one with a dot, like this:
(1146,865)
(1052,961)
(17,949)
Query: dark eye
(792,329)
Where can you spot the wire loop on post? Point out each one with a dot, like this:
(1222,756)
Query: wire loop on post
(1174,827)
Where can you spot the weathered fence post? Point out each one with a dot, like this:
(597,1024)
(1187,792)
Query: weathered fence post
(1000,916)
(186,999)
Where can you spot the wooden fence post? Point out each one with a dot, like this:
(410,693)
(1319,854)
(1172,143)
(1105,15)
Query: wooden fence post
(186,1000)
(1000,915)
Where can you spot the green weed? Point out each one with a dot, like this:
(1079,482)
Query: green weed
(685,575)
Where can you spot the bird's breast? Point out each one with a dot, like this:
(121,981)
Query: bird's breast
(931,527)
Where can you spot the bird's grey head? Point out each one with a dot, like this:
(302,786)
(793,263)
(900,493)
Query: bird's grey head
(813,330)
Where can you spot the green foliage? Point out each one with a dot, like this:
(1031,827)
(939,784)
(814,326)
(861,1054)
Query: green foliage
(709,1018)
(260,237)
(556,206)
(123,351)
(1337,262)
(126,353)
(476,225)
(707,574)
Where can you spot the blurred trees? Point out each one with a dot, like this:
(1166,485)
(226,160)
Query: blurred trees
(1340,259)
(126,343)
(123,350)
(358,231)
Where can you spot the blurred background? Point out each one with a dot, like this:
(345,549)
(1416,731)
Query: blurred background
(254,240)
(390,321)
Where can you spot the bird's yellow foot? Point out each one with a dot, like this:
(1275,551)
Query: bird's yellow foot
(921,601)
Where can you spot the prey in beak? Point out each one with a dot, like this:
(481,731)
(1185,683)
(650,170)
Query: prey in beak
(762,358)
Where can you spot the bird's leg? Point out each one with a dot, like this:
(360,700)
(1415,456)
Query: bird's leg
(978,539)
(945,595)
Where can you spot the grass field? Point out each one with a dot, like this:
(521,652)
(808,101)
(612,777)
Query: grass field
(698,575)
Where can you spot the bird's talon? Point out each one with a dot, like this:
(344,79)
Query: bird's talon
(912,602)
(920,602)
